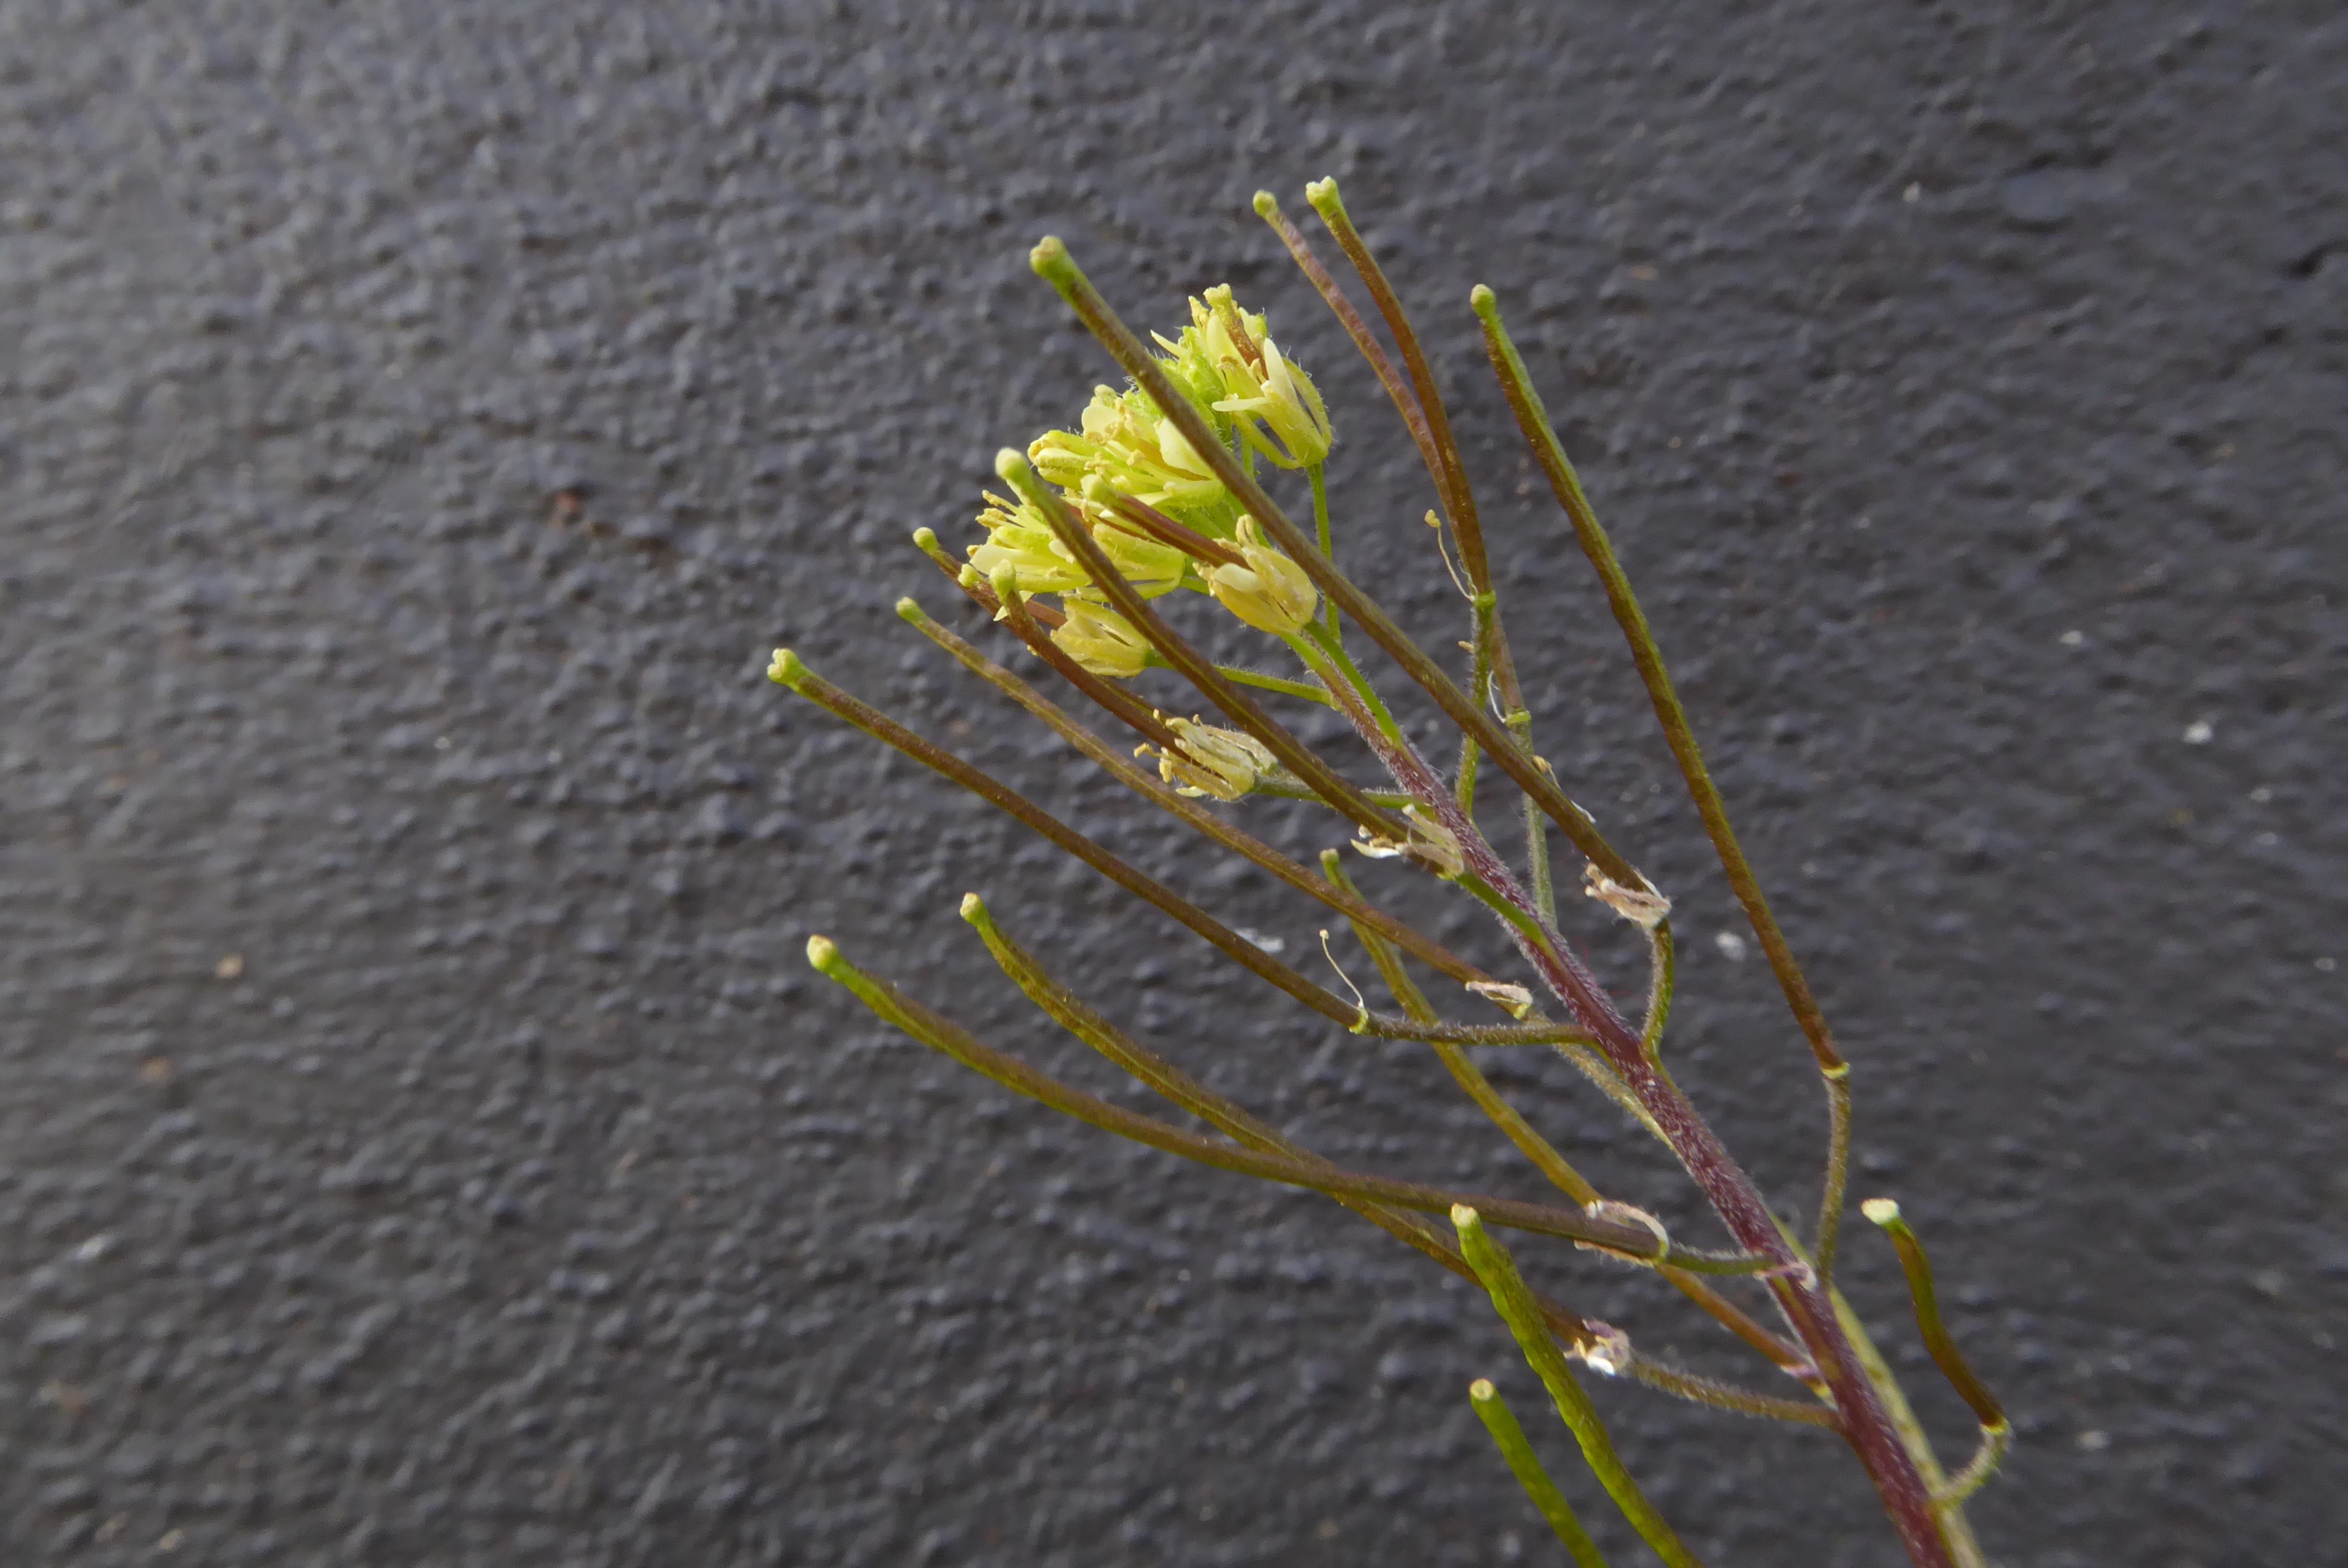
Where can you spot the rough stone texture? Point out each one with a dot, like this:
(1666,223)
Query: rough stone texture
(422,1142)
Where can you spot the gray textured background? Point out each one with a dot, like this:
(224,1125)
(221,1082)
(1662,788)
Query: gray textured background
(421,1141)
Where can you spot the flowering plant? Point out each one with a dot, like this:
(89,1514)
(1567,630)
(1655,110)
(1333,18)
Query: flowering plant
(1158,493)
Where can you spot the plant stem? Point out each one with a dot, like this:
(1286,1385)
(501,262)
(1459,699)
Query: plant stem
(934,1030)
(1962,1546)
(1188,812)
(1499,1273)
(1918,1267)
(1521,729)
(1282,786)
(1799,1292)
(1333,651)
(1321,534)
(1460,497)
(1831,1197)
(1662,970)
(1413,418)
(1434,1031)
(1543,1154)
(790,671)
(1279,683)
(1464,789)
(1517,1450)
(1532,418)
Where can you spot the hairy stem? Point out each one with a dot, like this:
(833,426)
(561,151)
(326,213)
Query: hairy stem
(1543,1154)
(1532,419)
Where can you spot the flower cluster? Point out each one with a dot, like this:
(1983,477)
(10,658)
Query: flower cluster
(1126,457)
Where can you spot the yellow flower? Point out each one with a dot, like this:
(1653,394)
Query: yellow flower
(1018,536)
(1102,641)
(1224,763)
(1270,593)
(1130,445)
(1275,406)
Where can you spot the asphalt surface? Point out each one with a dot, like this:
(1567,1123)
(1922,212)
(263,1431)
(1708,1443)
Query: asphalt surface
(422,1142)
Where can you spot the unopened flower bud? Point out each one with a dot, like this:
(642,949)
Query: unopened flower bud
(1062,456)
(1224,763)
(1101,640)
(1151,565)
(1270,593)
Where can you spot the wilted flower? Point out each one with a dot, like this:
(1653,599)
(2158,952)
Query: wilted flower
(1431,844)
(1516,1000)
(1102,641)
(1270,593)
(1224,763)
(1640,905)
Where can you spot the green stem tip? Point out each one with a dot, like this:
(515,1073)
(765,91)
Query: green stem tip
(1053,263)
(1517,1450)
(786,669)
(1885,1213)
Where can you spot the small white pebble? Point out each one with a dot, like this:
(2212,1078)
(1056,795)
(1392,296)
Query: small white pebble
(2073,640)
(2199,733)
(92,1249)
(1731,945)
(2270,838)
(1273,945)
(2327,965)
(2095,1442)
(1913,194)
(2262,795)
